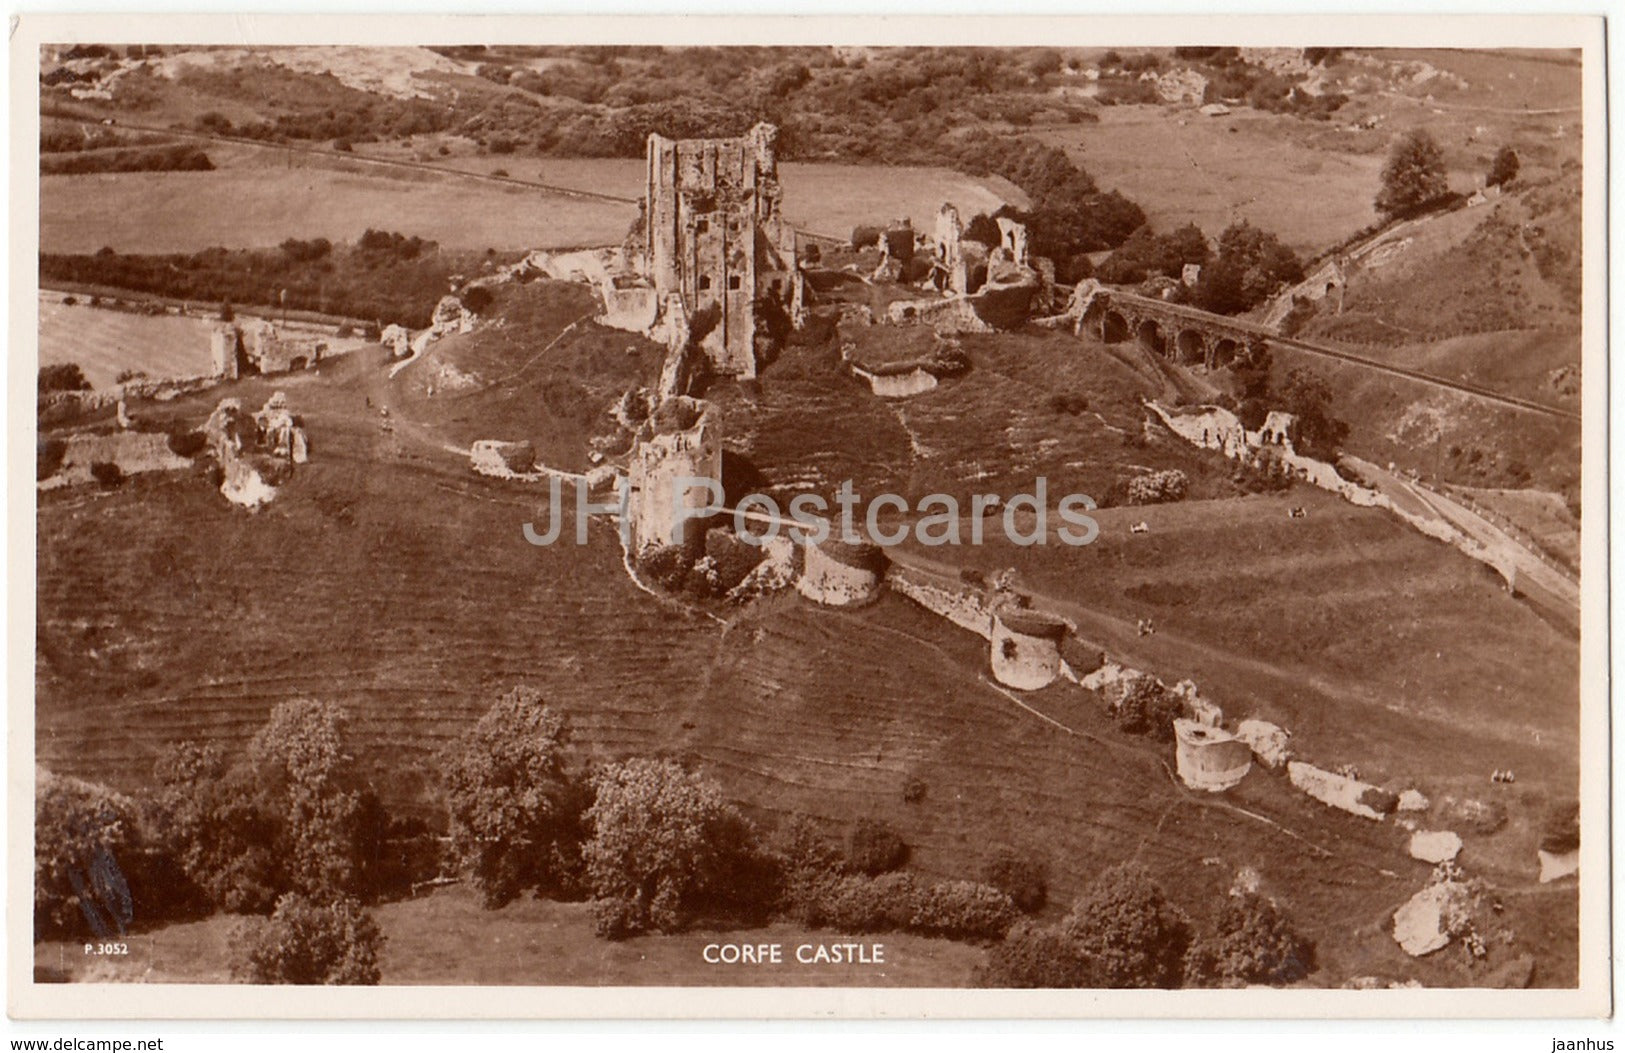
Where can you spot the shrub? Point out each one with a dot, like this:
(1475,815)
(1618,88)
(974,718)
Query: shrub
(476,298)
(1560,828)
(864,236)
(1254,942)
(1504,168)
(187,443)
(62,376)
(1069,402)
(874,848)
(1381,801)
(1149,709)
(914,790)
(961,910)
(1157,487)
(1033,956)
(311,941)
(1128,932)
(107,473)
(48,457)
(1023,878)
(515,818)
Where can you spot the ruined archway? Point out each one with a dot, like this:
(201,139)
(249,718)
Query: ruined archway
(1151,337)
(1113,328)
(1224,352)
(1191,348)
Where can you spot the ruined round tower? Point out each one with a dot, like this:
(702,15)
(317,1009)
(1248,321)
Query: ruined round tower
(1026,647)
(678,440)
(839,573)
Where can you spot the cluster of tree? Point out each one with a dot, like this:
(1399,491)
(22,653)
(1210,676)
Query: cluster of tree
(656,845)
(1124,932)
(386,276)
(179,157)
(62,376)
(1249,267)
(282,829)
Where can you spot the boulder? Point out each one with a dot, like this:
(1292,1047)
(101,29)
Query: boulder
(1430,918)
(1413,801)
(1555,865)
(1435,846)
(1272,745)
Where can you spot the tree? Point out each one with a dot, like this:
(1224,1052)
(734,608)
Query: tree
(311,940)
(1315,431)
(1149,709)
(81,832)
(302,771)
(62,376)
(1128,932)
(1254,942)
(662,839)
(983,228)
(1504,168)
(1413,176)
(515,816)
(213,823)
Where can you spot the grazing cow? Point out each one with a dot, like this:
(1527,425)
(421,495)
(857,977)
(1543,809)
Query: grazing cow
(1141,527)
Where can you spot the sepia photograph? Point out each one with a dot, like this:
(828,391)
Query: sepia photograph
(968,513)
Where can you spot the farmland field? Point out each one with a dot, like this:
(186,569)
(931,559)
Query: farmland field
(259,196)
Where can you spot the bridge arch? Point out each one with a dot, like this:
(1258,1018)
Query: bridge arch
(1151,336)
(1190,347)
(1225,350)
(1114,328)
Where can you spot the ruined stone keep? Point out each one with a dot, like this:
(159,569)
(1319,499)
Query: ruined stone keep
(715,237)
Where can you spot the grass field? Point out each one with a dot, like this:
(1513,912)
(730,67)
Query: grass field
(447,938)
(259,196)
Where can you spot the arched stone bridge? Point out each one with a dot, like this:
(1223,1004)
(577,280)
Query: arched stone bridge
(1188,336)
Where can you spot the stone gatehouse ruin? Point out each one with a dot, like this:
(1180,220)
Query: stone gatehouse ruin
(258,347)
(716,239)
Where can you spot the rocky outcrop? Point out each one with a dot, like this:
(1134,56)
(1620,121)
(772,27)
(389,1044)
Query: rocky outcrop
(1431,918)
(1337,791)
(1435,846)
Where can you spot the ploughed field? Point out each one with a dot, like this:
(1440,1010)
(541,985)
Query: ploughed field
(388,578)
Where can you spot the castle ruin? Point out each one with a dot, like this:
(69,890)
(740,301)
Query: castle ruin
(716,240)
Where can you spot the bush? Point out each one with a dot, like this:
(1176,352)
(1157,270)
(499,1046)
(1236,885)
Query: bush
(875,848)
(1156,488)
(1149,709)
(1032,956)
(864,236)
(1128,932)
(48,457)
(515,818)
(187,443)
(1504,168)
(107,473)
(1069,402)
(63,376)
(961,910)
(1381,801)
(1560,828)
(1254,943)
(1023,878)
(476,298)
(311,941)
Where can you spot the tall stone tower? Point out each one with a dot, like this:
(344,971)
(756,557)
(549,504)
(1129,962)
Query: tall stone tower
(714,235)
